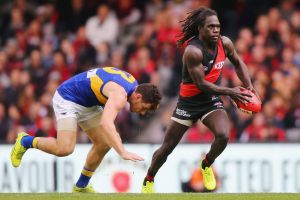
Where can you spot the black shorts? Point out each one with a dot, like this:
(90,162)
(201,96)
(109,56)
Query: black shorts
(194,108)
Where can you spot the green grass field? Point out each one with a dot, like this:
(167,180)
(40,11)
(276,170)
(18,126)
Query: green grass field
(180,196)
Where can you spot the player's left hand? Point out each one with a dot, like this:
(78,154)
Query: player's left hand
(252,89)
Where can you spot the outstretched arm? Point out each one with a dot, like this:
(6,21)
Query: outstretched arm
(117,99)
(192,58)
(240,66)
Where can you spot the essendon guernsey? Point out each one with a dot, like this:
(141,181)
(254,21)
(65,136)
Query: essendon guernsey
(212,63)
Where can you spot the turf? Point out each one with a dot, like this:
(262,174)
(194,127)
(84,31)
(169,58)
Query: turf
(179,196)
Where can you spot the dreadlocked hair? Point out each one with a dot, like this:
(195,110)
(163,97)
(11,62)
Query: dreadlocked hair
(150,94)
(191,23)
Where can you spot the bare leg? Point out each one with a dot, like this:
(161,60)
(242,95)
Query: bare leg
(65,141)
(174,134)
(98,150)
(93,160)
(63,145)
(218,123)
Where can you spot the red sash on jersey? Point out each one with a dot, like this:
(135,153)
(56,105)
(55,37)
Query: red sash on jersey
(190,89)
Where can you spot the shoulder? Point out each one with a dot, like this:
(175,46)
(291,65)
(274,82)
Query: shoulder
(116,94)
(227,45)
(192,51)
(192,56)
(112,88)
(225,39)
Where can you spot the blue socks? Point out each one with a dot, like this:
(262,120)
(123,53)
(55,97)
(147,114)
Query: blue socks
(27,141)
(84,178)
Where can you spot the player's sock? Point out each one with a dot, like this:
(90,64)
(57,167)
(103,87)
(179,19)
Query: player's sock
(84,178)
(148,178)
(35,142)
(206,163)
(27,141)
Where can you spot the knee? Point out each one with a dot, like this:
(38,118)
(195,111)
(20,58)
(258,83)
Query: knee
(61,152)
(222,135)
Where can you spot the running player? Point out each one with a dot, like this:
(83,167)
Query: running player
(92,99)
(203,60)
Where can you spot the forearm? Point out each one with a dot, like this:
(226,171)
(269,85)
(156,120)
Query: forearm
(243,74)
(211,88)
(113,138)
(240,67)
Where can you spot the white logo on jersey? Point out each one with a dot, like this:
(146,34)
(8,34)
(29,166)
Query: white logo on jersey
(218,104)
(91,73)
(211,61)
(205,68)
(213,98)
(219,65)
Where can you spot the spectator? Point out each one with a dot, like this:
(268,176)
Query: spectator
(37,72)
(102,54)
(103,27)
(46,129)
(117,58)
(85,53)
(14,120)
(127,13)
(73,15)
(12,92)
(14,55)
(46,54)
(4,79)
(14,24)
(34,35)
(68,50)
(262,130)
(4,123)
(292,120)
(26,99)
(60,69)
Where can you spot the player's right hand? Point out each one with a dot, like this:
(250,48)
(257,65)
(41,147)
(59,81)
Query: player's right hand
(240,94)
(126,155)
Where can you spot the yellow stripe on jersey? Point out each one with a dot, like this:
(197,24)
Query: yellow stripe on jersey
(111,70)
(96,84)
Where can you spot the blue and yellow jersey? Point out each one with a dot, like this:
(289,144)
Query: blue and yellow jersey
(86,88)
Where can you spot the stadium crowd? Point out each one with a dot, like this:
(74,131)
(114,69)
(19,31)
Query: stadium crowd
(43,43)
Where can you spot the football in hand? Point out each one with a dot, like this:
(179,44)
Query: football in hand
(251,107)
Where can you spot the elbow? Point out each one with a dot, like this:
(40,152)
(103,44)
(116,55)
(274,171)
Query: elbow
(202,86)
(106,125)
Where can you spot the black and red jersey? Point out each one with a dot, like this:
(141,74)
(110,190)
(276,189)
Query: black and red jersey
(193,103)
(212,64)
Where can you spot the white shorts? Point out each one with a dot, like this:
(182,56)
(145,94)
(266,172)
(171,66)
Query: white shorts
(64,109)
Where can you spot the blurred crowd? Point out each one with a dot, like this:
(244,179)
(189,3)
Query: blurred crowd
(43,43)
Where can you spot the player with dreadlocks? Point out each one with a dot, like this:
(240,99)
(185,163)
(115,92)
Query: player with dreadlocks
(203,59)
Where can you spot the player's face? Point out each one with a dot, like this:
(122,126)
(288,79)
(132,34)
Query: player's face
(211,29)
(137,105)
